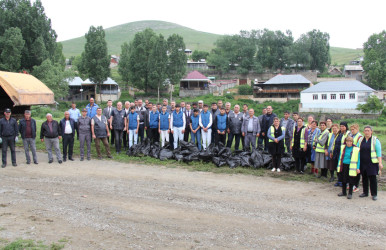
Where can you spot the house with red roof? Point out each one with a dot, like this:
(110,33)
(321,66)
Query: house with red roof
(194,84)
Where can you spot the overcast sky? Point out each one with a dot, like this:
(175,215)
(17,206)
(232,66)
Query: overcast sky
(349,23)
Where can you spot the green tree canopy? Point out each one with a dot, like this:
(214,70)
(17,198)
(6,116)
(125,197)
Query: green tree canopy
(372,105)
(11,46)
(198,55)
(123,66)
(158,62)
(319,49)
(374,62)
(177,58)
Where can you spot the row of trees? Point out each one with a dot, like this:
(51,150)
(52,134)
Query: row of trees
(28,43)
(274,50)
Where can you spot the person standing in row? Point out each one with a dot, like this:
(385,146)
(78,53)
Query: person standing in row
(276,136)
(100,132)
(339,141)
(288,123)
(195,128)
(117,124)
(84,128)
(206,127)
(50,133)
(370,162)
(313,132)
(251,130)
(214,111)
(320,150)
(68,127)
(260,140)
(266,124)
(235,121)
(132,126)
(188,113)
(75,114)
(349,165)
(92,108)
(164,125)
(107,113)
(354,133)
(8,133)
(141,111)
(299,145)
(125,134)
(177,123)
(153,125)
(331,140)
(27,130)
(221,127)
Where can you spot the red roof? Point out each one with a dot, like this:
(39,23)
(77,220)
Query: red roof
(195,75)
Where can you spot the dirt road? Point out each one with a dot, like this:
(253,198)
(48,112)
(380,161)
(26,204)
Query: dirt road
(109,205)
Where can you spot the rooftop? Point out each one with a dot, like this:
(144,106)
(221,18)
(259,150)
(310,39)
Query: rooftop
(288,79)
(195,76)
(77,81)
(353,67)
(339,86)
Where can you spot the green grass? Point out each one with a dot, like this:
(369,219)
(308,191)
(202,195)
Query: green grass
(341,56)
(20,244)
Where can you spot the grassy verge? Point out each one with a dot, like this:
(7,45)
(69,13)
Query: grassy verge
(28,244)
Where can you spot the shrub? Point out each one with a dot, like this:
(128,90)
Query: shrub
(245,90)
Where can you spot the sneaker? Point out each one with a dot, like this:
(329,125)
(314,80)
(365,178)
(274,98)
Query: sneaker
(341,194)
(363,195)
(278,170)
(60,161)
(273,169)
(301,172)
(355,189)
(35,162)
(28,162)
(375,198)
(349,196)
(14,164)
(81,159)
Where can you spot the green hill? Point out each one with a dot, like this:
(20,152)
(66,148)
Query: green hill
(194,40)
(117,35)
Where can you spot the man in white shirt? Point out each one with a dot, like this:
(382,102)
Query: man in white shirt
(68,127)
(206,121)
(178,124)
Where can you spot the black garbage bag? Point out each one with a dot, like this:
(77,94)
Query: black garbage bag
(179,157)
(233,162)
(257,159)
(239,152)
(136,150)
(287,163)
(205,156)
(246,161)
(218,161)
(186,152)
(154,152)
(192,157)
(191,147)
(225,152)
(165,154)
(267,159)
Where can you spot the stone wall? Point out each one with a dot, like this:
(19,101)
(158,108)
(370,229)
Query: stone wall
(338,117)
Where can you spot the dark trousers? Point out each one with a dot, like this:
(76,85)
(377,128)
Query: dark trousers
(276,161)
(265,143)
(125,139)
(141,132)
(260,141)
(112,137)
(186,134)
(237,140)
(153,135)
(299,164)
(287,144)
(68,146)
(220,138)
(365,183)
(350,187)
(242,141)
(118,136)
(357,180)
(8,141)
(324,172)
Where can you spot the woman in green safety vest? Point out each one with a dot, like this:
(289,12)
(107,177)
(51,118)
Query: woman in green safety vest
(354,133)
(331,139)
(299,145)
(348,166)
(371,162)
(313,132)
(338,142)
(276,136)
(320,150)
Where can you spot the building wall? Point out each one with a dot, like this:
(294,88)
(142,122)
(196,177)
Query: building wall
(188,93)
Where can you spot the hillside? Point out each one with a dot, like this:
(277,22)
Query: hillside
(117,35)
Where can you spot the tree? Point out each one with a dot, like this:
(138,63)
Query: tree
(54,76)
(177,58)
(123,66)
(372,105)
(95,60)
(40,38)
(374,62)
(197,55)
(319,49)
(11,45)
(158,62)
(299,53)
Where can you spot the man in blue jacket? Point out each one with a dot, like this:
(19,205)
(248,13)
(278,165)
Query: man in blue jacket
(153,125)
(221,126)
(27,130)
(177,124)
(68,128)
(92,108)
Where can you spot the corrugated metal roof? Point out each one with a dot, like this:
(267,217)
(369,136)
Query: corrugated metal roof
(24,89)
(77,81)
(339,86)
(195,75)
(353,67)
(109,81)
(287,79)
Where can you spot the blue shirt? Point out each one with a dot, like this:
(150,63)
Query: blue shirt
(74,114)
(91,111)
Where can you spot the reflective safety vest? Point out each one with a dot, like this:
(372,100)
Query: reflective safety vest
(301,136)
(319,148)
(273,133)
(353,162)
(329,139)
(374,158)
(343,138)
(356,138)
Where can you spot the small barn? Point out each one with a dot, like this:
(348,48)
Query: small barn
(194,84)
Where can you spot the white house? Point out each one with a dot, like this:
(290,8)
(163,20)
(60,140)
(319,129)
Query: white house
(340,97)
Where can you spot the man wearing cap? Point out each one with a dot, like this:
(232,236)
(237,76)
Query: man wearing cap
(68,128)
(8,134)
(50,133)
(27,129)
(84,127)
(92,108)
(200,105)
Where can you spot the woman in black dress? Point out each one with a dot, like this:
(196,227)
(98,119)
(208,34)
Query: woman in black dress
(299,146)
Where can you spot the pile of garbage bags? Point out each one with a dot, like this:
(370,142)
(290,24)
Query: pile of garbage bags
(220,155)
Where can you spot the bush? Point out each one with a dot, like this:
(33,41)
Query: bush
(245,90)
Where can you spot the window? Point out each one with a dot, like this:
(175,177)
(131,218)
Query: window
(352,95)
(315,97)
(324,96)
(342,96)
(333,96)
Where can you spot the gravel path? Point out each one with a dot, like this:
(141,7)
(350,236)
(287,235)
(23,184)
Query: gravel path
(109,205)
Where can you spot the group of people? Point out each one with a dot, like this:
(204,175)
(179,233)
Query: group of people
(324,145)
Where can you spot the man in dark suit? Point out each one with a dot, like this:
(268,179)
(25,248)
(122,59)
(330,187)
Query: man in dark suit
(188,113)
(107,112)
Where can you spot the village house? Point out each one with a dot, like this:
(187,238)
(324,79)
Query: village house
(353,71)
(281,88)
(340,97)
